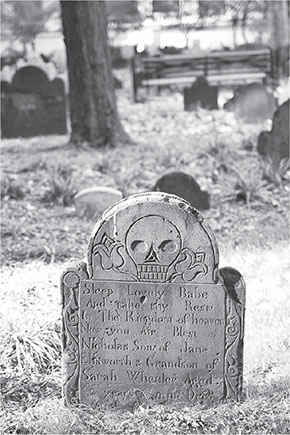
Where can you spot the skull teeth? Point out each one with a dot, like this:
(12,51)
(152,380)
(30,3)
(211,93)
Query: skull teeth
(152,268)
(152,272)
(151,276)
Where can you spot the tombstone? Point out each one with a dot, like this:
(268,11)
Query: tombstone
(200,95)
(275,144)
(89,202)
(253,103)
(150,318)
(185,186)
(33,105)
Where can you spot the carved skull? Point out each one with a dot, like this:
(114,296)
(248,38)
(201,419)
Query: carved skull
(153,243)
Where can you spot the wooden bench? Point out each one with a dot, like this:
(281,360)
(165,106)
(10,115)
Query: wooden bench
(223,69)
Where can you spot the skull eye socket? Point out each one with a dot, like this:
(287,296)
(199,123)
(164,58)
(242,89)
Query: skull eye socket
(139,246)
(168,246)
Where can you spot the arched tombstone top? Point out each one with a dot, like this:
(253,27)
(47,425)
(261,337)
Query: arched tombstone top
(30,79)
(153,237)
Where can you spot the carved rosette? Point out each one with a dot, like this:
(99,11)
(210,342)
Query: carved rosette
(70,287)
(235,314)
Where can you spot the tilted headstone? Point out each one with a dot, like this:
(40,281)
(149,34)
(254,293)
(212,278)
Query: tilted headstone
(275,144)
(150,318)
(200,95)
(89,202)
(185,186)
(253,103)
(33,105)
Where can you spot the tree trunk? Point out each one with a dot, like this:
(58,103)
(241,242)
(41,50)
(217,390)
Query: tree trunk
(24,45)
(244,22)
(279,23)
(235,22)
(279,34)
(93,109)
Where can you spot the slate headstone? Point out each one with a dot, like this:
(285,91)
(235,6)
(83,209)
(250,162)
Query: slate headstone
(96,199)
(275,144)
(185,186)
(200,95)
(33,105)
(253,103)
(150,318)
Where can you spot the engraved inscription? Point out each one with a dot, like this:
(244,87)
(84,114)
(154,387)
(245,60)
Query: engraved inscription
(149,338)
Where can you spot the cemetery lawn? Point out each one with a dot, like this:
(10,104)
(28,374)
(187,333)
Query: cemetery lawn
(40,232)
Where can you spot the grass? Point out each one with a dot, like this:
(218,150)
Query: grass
(250,183)
(10,188)
(28,351)
(61,185)
(275,171)
(250,417)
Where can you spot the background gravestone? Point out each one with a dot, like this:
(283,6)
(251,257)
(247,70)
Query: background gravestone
(275,144)
(150,318)
(185,186)
(33,105)
(253,103)
(200,95)
(97,199)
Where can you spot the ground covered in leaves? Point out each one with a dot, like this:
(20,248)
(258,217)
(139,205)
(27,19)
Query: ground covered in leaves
(40,232)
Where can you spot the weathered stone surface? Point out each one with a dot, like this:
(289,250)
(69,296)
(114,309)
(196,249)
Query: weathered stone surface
(33,105)
(31,79)
(253,103)
(150,318)
(275,144)
(185,186)
(265,143)
(96,199)
(200,95)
